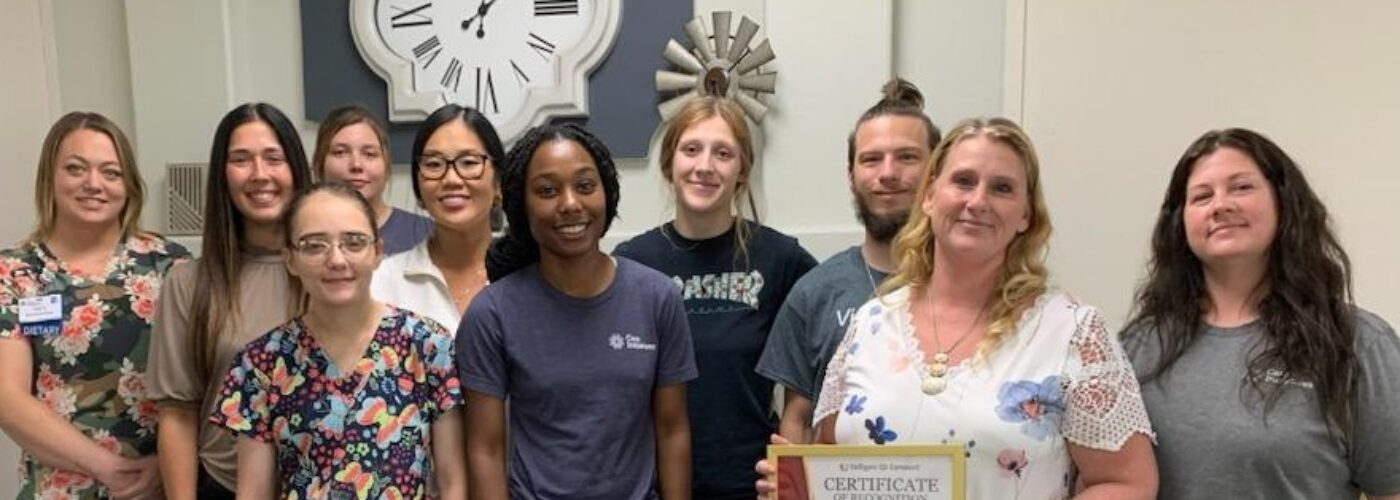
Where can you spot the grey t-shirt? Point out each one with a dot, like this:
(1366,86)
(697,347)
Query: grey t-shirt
(1215,441)
(813,320)
(579,375)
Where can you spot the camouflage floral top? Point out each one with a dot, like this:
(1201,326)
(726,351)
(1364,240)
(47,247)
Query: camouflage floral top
(90,362)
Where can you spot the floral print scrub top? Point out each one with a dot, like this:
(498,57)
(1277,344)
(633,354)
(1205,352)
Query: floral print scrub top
(1059,378)
(90,365)
(354,432)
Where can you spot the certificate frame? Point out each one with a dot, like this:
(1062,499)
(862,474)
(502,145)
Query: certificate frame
(780,454)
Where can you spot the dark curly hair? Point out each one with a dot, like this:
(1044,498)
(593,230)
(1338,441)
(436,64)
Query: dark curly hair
(518,248)
(1306,309)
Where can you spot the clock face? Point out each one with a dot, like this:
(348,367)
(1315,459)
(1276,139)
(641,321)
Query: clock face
(487,54)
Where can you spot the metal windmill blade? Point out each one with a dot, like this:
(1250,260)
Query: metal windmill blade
(718,63)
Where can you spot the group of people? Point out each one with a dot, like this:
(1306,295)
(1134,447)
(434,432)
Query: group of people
(325,344)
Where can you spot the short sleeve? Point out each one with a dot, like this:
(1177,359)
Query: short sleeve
(171,372)
(243,405)
(480,348)
(442,388)
(786,358)
(834,385)
(675,360)
(1375,464)
(9,307)
(1104,403)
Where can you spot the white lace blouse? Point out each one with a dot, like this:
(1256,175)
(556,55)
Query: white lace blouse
(1059,378)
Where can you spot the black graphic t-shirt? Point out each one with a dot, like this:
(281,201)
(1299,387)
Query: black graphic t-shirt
(730,304)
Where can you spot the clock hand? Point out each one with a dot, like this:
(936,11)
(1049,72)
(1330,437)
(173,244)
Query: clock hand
(480,14)
(481,11)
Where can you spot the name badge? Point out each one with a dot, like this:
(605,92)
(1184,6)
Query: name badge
(41,316)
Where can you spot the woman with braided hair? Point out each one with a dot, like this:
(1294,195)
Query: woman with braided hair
(595,368)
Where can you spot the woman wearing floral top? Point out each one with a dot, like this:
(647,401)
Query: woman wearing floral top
(353,398)
(76,301)
(967,344)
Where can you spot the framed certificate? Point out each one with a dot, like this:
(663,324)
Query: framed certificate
(889,472)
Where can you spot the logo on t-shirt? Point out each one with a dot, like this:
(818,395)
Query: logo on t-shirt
(740,287)
(843,316)
(619,342)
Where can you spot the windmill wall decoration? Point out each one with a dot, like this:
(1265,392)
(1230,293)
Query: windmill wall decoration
(720,63)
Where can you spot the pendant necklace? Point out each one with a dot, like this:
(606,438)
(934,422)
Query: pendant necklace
(935,377)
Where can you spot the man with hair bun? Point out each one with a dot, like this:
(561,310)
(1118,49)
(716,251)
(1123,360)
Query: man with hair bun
(886,153)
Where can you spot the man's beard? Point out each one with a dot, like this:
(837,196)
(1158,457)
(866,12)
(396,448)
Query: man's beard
(881,228)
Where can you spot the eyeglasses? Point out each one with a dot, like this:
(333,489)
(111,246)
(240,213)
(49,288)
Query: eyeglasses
(318,248)
(469,166)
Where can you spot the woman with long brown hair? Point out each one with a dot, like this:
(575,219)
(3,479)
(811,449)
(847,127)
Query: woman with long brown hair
(237,290)
(1263,377)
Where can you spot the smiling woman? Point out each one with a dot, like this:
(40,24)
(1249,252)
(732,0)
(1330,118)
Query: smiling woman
(596,365)
(707,157)
(1245,329)
(76,302)
(235,291)
(967,344)
(455,157)
(290,394)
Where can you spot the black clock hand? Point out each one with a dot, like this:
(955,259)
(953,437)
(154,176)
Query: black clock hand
(481,11)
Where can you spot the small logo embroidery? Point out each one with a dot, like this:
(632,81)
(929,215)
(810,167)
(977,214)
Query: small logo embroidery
(620,341)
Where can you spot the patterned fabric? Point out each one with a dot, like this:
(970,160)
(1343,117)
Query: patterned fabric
(1060,378)
(361,432)
(92,370)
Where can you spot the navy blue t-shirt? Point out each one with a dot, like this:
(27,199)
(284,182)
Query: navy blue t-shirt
(730,305)
(579,375)
(404,230)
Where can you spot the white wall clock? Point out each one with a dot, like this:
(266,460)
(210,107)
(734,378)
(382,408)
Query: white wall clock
(518,62)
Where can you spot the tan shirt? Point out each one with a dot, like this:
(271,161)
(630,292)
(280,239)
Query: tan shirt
(173,378)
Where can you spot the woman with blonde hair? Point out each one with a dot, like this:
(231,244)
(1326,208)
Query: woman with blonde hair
(352,147)
(734,274)
(76,302)
(967,343)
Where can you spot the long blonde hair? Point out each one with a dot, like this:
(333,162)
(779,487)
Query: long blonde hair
(703,108)
(1023,276)
(44,204)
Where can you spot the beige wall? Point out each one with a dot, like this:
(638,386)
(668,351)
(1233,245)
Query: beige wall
(25,106)
(1114,91)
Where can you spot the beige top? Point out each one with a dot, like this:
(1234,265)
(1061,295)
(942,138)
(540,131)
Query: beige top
(264,302)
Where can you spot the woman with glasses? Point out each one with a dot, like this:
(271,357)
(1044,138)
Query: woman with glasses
(353,147)
(351,398)
(454,178)
(235,291)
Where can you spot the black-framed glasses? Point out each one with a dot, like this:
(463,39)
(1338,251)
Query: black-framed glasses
(469,166)
(317,248)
